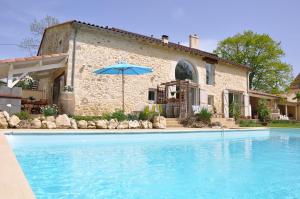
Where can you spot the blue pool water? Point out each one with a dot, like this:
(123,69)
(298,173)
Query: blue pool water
(236,165)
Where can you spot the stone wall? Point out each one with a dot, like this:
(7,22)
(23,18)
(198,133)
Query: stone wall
(56,40)
(98,94)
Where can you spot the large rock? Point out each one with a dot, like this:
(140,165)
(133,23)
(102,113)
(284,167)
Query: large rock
(101,124)
(159,122)
(6,115)
(36,123)
(48,125)
(24,124)
(150,125)
(42,118)
(63,122)
(145,124)
(14,121)
(50,119)
(82,124)
(91,125)
(3,121)
(112,124)
(123,125)
(134,124)
(73,124)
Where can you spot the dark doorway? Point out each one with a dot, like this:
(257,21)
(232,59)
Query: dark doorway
(57,87)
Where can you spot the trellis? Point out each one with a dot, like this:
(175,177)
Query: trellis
(179,99)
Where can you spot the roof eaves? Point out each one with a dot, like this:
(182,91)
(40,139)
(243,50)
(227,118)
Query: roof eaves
(154,40)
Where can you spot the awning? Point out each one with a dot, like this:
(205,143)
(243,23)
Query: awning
(17,68)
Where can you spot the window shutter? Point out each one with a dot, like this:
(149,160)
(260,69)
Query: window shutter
(226,103)
(213,74)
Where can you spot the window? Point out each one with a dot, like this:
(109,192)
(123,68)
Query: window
(210,74)
(184,70)
(152,95)
(210,100)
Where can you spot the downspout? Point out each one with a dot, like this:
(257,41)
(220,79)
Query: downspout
(73,56)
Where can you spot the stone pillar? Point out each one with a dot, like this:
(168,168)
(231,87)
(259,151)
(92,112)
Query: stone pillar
(246,105)
(286,110)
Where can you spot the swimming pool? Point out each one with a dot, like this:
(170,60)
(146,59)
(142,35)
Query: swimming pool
(234,164)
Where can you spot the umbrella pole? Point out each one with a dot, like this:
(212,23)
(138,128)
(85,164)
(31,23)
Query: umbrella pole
(123,91)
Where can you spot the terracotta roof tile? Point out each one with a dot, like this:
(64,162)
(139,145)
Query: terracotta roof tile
(154,40)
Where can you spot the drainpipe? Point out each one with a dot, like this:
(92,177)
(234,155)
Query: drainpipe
(73,56)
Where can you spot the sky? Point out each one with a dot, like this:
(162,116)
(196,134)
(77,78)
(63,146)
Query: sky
(212,20)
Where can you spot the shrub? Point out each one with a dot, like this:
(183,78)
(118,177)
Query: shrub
(147,114)
(86,118)
(119,115)
(263,111)
(132,117)
(50,110)
(234,110)
(204,116)
(23,115)
(106,116)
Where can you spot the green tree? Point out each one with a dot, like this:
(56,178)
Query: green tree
(263,110)
(37,28)
(259,51)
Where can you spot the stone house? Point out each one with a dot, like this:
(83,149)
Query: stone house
(281,104)
(210,81)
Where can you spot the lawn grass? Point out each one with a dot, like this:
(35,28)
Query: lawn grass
(272,124)
(284,124)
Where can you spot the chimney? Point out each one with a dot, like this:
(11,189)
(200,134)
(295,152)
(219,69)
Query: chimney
(165,39)
(194,41)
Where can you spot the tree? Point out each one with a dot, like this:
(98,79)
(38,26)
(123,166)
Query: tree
(263,110)
(259,51)
(37,28)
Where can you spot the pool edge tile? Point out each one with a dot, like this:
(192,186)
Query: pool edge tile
(13,183)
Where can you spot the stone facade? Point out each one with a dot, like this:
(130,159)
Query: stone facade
(96,48)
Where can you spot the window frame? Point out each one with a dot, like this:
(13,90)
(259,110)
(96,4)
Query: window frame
(154,92)
(210,73)
(212,98)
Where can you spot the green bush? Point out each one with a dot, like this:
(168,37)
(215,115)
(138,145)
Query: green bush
(86,118)
(204,116)
(132,117)
(50,110)
(106,116)
(23,115)
(249,123)
(234,110)
(119,115)
(263,111)
(147,114)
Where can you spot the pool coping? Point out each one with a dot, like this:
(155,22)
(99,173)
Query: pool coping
(119,131)
(13,183)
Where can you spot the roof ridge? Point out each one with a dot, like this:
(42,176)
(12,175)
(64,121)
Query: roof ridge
(156,40)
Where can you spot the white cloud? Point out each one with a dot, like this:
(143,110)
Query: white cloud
(207,45)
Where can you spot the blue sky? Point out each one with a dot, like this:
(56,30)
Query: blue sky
(212,20)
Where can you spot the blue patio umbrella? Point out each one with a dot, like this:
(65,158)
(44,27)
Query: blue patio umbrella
(123,69)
